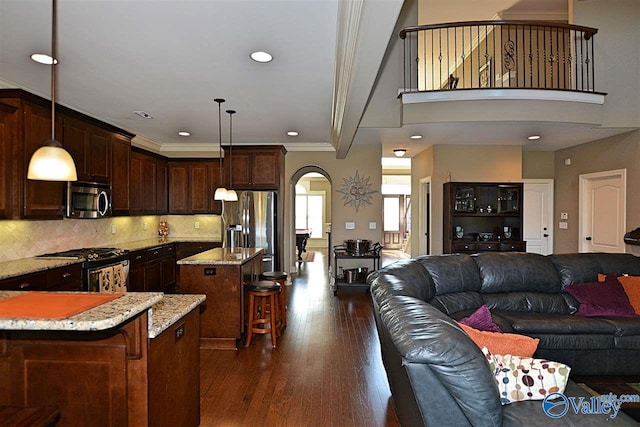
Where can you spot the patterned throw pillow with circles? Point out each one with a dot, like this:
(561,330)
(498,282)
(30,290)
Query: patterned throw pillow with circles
(526,378)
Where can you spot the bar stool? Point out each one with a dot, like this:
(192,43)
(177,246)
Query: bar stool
(281,278)
(261,294)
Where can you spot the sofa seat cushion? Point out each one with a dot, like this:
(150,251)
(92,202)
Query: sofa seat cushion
(550,323)
(570,342)
(625,326)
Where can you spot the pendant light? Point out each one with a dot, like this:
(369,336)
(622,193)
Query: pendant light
(232,196)
(51,162)
(221,192)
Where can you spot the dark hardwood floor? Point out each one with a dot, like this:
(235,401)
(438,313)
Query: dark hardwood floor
(326,370)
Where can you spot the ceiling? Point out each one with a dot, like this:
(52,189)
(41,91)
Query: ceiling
(171,58)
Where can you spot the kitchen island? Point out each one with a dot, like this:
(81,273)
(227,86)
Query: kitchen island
(131,361)
(220,274)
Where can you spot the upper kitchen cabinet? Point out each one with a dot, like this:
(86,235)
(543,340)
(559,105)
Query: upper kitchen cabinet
(25,120)
(120,152)
(191,187)
(255,167)
(143,185)
(90,147)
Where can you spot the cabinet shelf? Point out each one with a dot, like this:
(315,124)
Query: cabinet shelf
(465,226)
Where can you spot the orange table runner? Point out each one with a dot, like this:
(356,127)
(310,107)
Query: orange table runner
(51,305)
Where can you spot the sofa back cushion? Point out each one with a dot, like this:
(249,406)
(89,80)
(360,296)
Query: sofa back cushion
(537,302)
(406,277)
(584,268)
(516,272)
(451,273)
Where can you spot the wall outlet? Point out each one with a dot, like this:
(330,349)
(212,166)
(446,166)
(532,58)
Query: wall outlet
(349,225)
(564,215)
(373,225)
(563,225)
(196,225)
(113,229)
(144,225)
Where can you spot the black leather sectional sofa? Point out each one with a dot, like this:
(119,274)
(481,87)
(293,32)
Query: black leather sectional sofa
(439,377)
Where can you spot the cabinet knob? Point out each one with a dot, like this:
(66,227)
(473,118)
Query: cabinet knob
(66,275)
(24,285)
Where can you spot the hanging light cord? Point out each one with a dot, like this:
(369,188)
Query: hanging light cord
(231,113)
(54,55)
(220,101)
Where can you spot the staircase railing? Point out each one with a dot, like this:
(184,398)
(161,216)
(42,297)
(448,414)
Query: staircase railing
(498,54)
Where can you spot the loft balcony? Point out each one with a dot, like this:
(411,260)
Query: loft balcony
(508,60)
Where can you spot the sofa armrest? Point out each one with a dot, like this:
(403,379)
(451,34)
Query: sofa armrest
(423,335)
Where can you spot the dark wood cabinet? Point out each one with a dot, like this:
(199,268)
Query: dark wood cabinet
(8,141)
(42,199)
(120,149)
(66,278)
(255,167)
(143,184)
(192,185)
(153,269)
(90,147)
(162,186)
(483,217)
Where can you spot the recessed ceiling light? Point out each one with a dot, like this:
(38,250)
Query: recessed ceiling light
(184,133)
(143,114)
(399,152)
(261,56)
(416,136)
(533,137)
(42,58)
(292,133)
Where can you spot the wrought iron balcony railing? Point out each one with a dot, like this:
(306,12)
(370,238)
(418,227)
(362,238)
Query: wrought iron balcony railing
(498,54)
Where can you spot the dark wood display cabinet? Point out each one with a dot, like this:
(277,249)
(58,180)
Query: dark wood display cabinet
(481,217)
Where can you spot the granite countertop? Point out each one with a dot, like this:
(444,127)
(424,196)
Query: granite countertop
(19,267)
(150,243)
(222,256)
(102,317)
(171,309)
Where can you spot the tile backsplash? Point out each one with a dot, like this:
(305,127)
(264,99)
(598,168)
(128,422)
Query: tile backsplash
(24,239)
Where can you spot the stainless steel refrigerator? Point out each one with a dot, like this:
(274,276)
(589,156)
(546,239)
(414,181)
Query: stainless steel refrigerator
(251,222)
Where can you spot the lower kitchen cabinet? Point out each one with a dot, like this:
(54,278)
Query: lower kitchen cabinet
(114,377)
(153,269)
(67,278)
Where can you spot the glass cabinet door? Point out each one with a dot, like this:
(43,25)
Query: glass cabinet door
(508,200)
(464,199)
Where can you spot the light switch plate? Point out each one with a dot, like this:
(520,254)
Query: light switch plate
(196,225)
(349,225)
(113,229)
(564,215)
(563,225)
(373,225)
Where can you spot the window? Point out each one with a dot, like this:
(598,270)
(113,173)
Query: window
(310,213)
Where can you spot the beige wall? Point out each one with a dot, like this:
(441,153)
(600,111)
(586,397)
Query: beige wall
(459,163)
(362,158)
(617,55)
(618,152)
(24,239)
(538,164)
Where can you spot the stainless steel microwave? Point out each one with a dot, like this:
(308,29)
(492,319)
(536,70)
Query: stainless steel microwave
(88,200)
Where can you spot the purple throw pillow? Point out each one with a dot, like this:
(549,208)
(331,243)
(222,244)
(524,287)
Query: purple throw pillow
(481,320)
(602,299)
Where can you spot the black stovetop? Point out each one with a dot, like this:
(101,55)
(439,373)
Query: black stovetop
(90,254)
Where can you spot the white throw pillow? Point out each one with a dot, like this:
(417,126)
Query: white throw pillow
(525,378)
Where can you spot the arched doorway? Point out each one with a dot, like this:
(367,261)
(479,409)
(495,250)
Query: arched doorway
(311,213)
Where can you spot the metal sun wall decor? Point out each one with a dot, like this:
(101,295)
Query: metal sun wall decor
(356,190)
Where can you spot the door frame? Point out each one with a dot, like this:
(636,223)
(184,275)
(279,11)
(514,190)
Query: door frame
(550,184)
(582,200)
(426,218)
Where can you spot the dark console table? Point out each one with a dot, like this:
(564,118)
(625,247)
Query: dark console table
(340,253)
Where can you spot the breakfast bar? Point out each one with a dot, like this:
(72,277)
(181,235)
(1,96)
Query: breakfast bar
(133,360)
(220,274)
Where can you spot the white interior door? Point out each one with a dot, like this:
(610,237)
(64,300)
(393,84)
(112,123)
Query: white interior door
(538,215)
(603,211)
